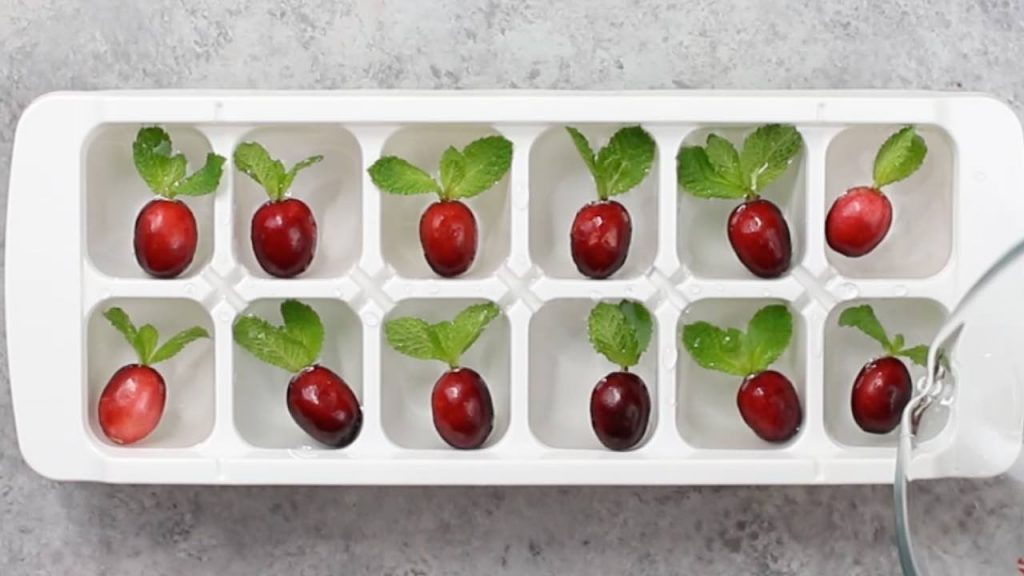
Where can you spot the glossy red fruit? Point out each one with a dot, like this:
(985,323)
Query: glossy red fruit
(620,408)
(769,405)
(132,403)
(858,221)
(600,238)
(448,234)
(462,409)
(323,405)
(284,237)
(760,237)
(165,238)
(881,391)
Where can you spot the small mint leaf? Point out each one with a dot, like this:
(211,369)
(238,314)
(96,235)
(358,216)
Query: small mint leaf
(487,161)
(177,343)
(119,319)
(767,152)
(303,324)
(412,337)
(899,157)
(271,344)
(697,176)
(863,318)
(725,160)
(255,162)
(626,160)
(147,339)
(299,166)
(612,336)
(453,170)
(396,176)
(917,354)
(639,320)
(716,349)
(203,181)
(468,325)
(151,153)
(583,147)
(768,335)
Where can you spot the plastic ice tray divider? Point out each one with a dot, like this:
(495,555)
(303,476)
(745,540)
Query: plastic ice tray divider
(74,194)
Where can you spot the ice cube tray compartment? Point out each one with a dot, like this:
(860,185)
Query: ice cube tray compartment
(69,254)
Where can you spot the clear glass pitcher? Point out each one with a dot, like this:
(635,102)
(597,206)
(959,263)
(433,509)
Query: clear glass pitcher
(959,487)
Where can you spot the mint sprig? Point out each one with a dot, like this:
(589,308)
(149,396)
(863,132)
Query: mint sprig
(620,332)
(732,351)
(145,338)
(899,157)
(864,319)
(446,341)
(463,173)
(292,346)
(166,173)
(718,170)
(255,162)
(622,164)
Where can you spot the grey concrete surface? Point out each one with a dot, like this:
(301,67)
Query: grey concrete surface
(49,528)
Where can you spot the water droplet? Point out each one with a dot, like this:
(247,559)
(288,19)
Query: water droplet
(694,290)
(595,295)
(434,291)
(190,289)
(980,176)
(668,358)
(371,318)
(224,314)
(719,288)
(848,291)
(819,351)
(901,291)
(629,289)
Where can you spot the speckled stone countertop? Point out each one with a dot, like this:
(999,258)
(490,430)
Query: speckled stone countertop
(49,528)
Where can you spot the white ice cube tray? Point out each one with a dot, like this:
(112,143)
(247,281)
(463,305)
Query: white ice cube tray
(74,195)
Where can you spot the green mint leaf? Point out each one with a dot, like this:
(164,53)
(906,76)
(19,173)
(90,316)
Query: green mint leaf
(639,320)
(119,319)
(487,161)
(898,341)
(147,340)
(612,335)
(767,153)
(697,176)
(918,355)
(625,161)
(255,162)
(151,153)
(863,318)
(768,335)
(299,166)
(412,337)
(453,169)
(302,324)
(899,157)
(178,342)
(271,344)
(396,176)
(716,349)
(725,160)
(583,147)
(445,340)
(203,181)
(467,326)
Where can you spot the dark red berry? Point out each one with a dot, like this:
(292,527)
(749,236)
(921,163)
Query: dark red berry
(858,221)
(620,408)
(462,409)
(448,235)
(132,403)
(600,238)
(760,237)
(881,391)
(324,406)
(284,237)
(769,405)
(165,238)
